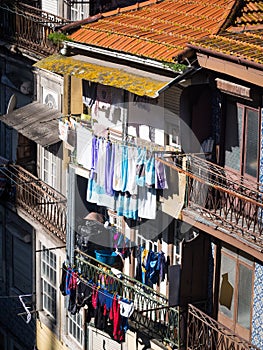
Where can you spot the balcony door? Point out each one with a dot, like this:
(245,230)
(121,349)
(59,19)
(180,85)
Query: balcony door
(236,293)
(50,166)
(242,140)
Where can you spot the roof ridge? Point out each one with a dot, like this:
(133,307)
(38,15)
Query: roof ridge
(136,6)
(161,31)
(234,40)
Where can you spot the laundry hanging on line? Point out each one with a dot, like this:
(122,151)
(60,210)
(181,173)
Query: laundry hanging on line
(100,300)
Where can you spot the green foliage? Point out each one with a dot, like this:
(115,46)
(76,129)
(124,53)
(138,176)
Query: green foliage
(177,67)
(57,37)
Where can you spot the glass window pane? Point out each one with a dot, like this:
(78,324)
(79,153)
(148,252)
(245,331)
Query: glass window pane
(244,296)
(233,137)
(252,143)
(75,327)
(227,285)
(46,164)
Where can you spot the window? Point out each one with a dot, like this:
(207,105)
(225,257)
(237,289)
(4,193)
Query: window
(242,139)
(50,165)
(49,279)
(49,168)
(22,265)
(75,327)
(236,292)
(77,12)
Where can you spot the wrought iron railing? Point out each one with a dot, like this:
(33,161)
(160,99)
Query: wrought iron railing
(152,313)
(204,333)
(217,195)
(29,27)
(37,198)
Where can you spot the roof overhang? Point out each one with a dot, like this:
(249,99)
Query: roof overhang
(231,65)
(36,121)
(108,73)
(233,69)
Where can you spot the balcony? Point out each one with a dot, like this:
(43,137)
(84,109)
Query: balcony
(151,316)
(205,333)
(218,199)
(28,27)
(156,319)
(36,198)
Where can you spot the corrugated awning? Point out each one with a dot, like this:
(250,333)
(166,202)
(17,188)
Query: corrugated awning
(36,121)
(107,73)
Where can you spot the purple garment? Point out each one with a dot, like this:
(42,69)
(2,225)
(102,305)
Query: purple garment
(109,168)
(161,265)
(161,182)
(124,167)
(94,156)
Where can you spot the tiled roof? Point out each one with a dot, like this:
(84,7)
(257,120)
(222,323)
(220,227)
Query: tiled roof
(250,14)
(243,39)
(246,45)
(159,31)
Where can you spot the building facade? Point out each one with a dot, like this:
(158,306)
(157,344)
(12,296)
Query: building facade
(145,223)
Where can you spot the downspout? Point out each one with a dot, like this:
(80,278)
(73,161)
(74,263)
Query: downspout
(178,79)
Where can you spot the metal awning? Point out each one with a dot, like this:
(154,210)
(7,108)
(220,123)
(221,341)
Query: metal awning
(107,73)
(36,121)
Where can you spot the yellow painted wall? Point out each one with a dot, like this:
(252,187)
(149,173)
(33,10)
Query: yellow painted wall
(76,96)
(47,340)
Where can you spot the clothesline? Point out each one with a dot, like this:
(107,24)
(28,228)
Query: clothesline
(117,136)
(87,283)
(102,290)
(101,304)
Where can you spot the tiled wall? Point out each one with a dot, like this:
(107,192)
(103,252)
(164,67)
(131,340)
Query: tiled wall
(257,319)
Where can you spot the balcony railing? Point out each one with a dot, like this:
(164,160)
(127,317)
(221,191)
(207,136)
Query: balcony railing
(215,194)
(152,314)
(28,27)
(37,198)
(205,333)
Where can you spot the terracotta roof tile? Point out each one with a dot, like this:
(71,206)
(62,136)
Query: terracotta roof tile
(247,45)
(250,13)
(158,31)
(243,39)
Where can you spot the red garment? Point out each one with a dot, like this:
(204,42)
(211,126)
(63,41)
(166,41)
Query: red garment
(105,310)
(73,280)
(94,297)
(118,333)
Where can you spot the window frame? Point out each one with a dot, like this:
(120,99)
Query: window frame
(233,323)
(46,277)
(243,139)
(53,161)
(76,11)
(76,321)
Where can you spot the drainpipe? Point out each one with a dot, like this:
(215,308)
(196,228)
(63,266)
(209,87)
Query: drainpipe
(180,77)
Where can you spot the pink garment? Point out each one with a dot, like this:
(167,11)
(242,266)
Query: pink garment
(115,315)
(94,297)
